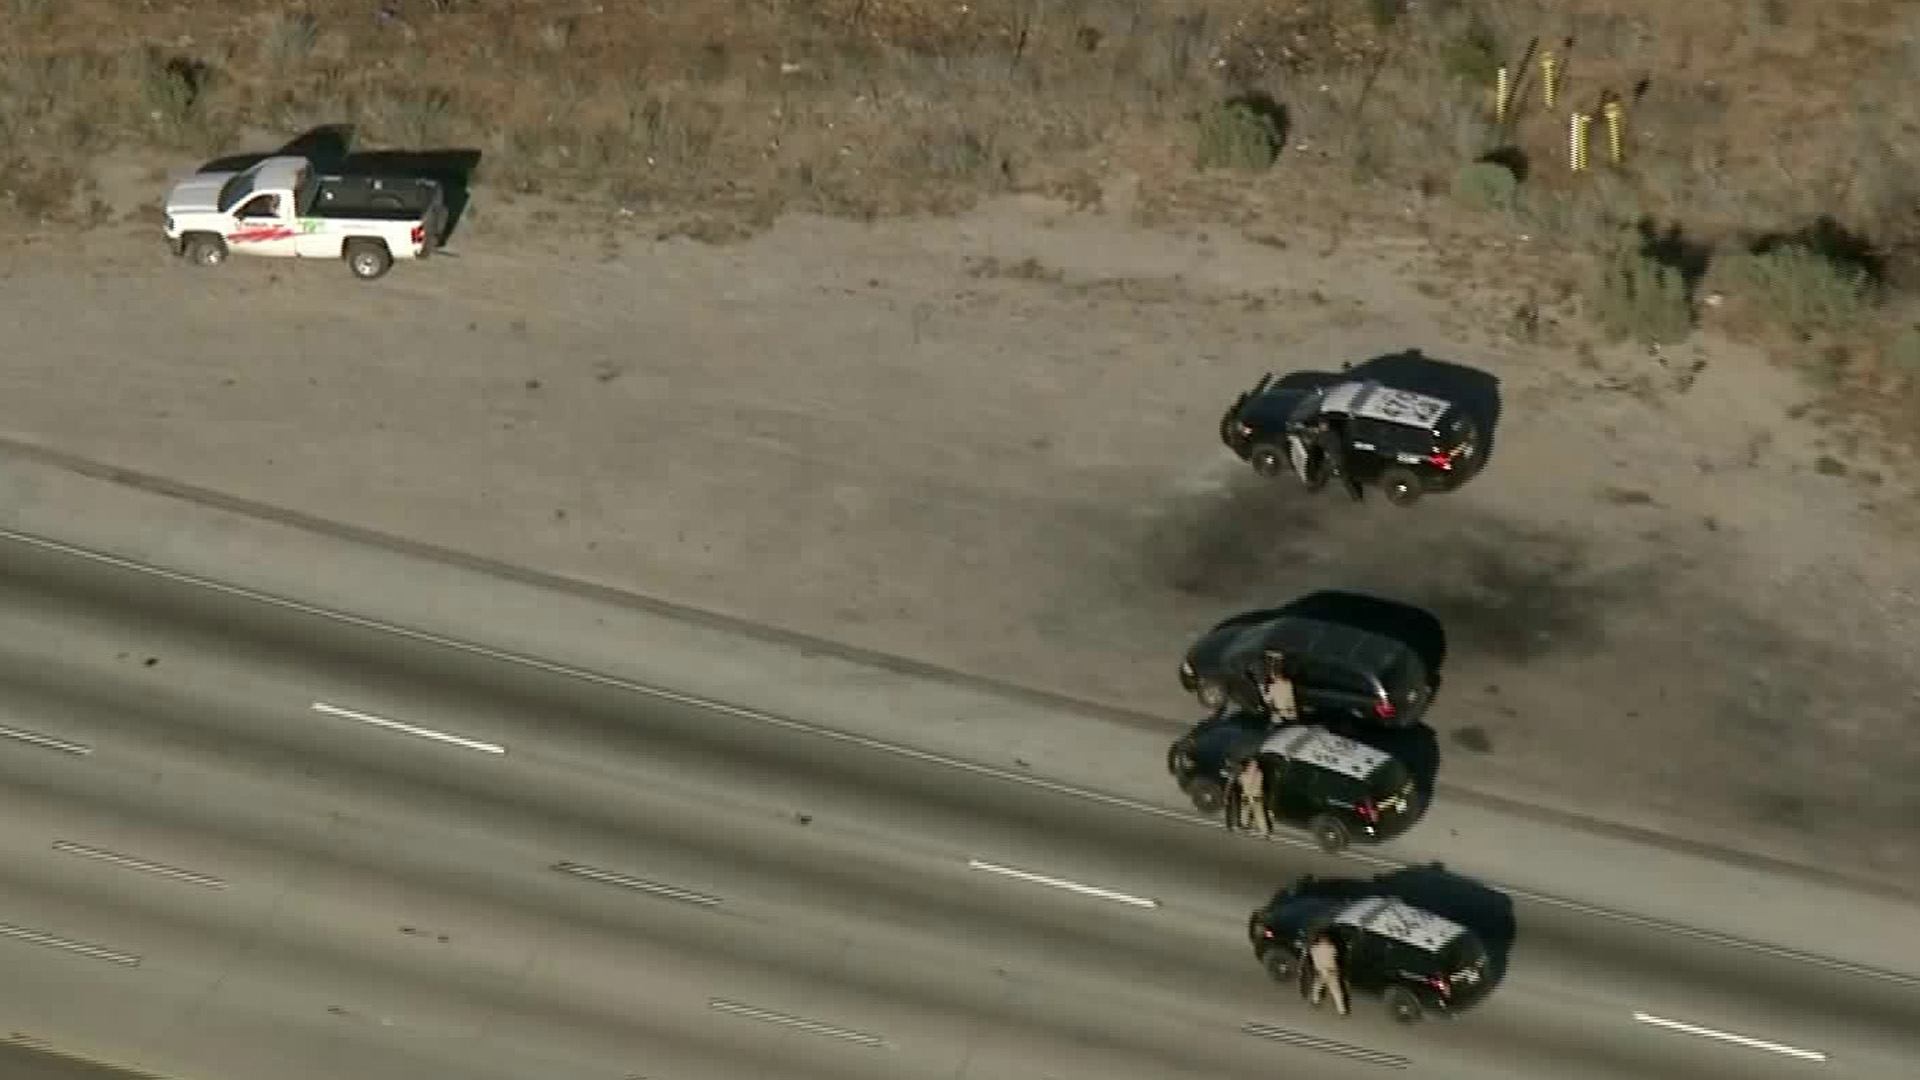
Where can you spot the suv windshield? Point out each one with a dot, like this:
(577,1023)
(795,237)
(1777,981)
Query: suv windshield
(1308,408)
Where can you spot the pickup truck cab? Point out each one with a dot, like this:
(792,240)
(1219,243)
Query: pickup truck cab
(282,208)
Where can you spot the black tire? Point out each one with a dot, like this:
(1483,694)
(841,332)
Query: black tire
(1402,1005)
(1402,486)
(1208,796)
(1180,756)
(1279,964)
(368,259)
(1268,459)
(1212,695)
(205,250)
(1329,834)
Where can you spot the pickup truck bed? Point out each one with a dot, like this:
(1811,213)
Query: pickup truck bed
(374,198)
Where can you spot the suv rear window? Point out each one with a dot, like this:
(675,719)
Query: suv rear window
(1457,429)
(1406,672)
(1462,954)
(1338,677)
(1388,780)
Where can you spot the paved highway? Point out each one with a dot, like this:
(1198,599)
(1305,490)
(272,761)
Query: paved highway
(245,842)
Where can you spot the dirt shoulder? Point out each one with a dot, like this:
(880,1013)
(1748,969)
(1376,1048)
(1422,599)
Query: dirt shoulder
(1675,599)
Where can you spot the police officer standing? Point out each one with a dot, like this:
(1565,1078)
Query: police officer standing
(1277,689)
(1252,810)
(1323,958)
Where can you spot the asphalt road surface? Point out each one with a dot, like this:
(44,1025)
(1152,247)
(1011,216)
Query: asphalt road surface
(243,843)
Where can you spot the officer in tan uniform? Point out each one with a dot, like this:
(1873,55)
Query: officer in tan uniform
(1278,689)
(1323,958)
(1252,808)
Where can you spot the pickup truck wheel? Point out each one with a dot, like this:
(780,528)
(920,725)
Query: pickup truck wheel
(206,250)
(368,259)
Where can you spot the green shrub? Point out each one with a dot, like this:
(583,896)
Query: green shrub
(1637,297)
(1485,185)
(170,90)
(1237,136)
(1804,290)
(1385,13)
(1473,55)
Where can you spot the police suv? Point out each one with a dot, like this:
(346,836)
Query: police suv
(1407,443)
(1417,962)
(1337,788)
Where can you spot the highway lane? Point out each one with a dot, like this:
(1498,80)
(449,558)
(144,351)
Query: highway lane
(712,799)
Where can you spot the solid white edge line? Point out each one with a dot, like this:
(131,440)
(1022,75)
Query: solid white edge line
(409,729)
(1063,883)
(68,847)
(869,743)
(1728,1037)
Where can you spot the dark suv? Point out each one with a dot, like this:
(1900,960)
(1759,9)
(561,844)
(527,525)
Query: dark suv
(1334,787)
(1336,669)
(1414,960)
(1406,442)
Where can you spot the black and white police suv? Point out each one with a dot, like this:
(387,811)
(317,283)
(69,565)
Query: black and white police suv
(1407,443)
(1336,788)
(1417,962)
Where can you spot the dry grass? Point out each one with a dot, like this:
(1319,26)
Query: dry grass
(1744,117)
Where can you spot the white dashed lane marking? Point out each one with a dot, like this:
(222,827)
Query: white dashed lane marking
(1728,1037)
(1326,1046)
(48,742)
(651,888)
(409,729)
(811,1027)
(128,862)
(79,948)
(1062,883)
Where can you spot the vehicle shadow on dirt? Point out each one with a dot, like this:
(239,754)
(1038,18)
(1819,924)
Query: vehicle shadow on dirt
(1477,392)
(330,148)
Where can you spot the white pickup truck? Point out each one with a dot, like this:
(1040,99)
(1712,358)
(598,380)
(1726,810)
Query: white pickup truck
(281,208)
